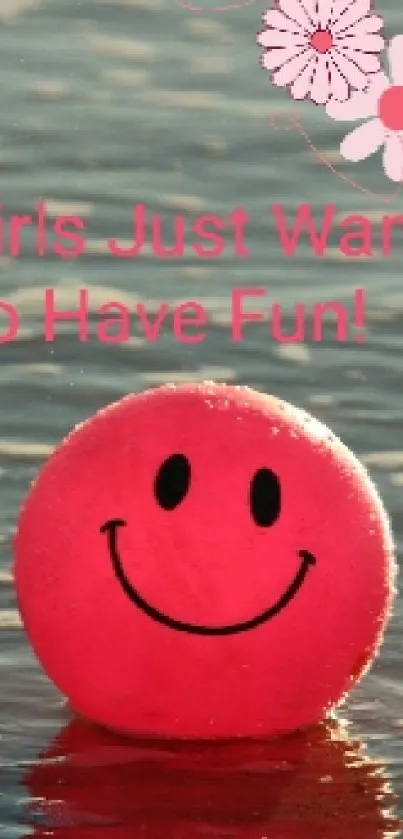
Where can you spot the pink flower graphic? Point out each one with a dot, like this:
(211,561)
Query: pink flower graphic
(383,104)
(321,49)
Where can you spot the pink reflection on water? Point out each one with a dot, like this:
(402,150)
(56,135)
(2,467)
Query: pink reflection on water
(92,784)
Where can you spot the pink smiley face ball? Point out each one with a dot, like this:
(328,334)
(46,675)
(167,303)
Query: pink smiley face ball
(204,561)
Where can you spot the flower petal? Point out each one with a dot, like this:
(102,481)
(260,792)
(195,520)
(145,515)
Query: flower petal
(311,10)
(320,90)
(324,13)
(393,157)
(366,26)
(294,10)
(338,85)
(360,105)
(354,11)
(363,43)
(291,70)
(273,59)
(353,75)
(395,55)
(339,6)
(276,20)
(274,38)
(302,85)
(363,141)
(367,62)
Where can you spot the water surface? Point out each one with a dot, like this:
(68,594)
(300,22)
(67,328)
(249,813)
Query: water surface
(107,104)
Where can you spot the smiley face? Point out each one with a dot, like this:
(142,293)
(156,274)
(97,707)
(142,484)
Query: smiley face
(170,489)
(203,561)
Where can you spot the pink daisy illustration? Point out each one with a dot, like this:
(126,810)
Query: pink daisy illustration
(321,49)
(382,106)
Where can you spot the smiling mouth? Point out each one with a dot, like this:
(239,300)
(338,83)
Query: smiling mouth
(111,528)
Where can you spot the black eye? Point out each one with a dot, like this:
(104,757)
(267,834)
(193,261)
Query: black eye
(172,481)
(265,497)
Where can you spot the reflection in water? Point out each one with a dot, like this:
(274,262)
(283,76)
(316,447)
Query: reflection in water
(92,784)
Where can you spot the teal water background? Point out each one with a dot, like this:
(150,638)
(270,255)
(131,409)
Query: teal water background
(108,104)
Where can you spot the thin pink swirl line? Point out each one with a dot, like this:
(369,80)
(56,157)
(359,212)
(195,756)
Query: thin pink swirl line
(295,122)
(217,9)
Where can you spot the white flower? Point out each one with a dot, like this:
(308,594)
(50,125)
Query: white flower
(321,48)
(382,105)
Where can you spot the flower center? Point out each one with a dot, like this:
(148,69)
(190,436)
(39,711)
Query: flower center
(390,108)
(322,41)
